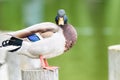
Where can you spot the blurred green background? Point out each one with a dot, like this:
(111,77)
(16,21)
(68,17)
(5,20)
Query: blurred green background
(97,24)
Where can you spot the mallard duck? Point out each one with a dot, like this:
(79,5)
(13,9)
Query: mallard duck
(44,40)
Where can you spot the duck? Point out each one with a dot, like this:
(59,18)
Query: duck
(43,40)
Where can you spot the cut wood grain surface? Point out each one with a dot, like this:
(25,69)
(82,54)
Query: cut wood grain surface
(40,74)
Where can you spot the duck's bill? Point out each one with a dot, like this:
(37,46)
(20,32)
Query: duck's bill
(61,21)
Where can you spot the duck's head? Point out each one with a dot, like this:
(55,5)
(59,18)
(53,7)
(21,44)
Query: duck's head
(61,17)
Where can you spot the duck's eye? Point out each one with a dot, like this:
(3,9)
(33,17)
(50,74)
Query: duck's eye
(33,38)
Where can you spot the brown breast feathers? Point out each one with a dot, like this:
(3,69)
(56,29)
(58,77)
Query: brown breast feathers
(70,35)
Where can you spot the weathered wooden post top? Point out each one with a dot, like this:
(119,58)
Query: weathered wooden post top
(114,62)
(40,74)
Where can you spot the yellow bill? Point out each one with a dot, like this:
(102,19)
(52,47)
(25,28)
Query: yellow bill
(61,21)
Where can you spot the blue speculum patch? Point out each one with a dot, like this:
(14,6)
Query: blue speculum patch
(33,38)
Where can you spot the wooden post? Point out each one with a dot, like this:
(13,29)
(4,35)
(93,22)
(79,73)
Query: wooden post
(4,72)
(39,74)
(114,62)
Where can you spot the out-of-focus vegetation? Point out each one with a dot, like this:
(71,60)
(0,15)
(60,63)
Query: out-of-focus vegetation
(97,24)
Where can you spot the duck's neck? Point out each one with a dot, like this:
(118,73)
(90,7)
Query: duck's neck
(70,36)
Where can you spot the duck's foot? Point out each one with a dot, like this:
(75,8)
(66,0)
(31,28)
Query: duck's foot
(51,68)
(45,65)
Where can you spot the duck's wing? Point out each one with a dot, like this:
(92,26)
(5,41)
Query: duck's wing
(49,47)
(41,27)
